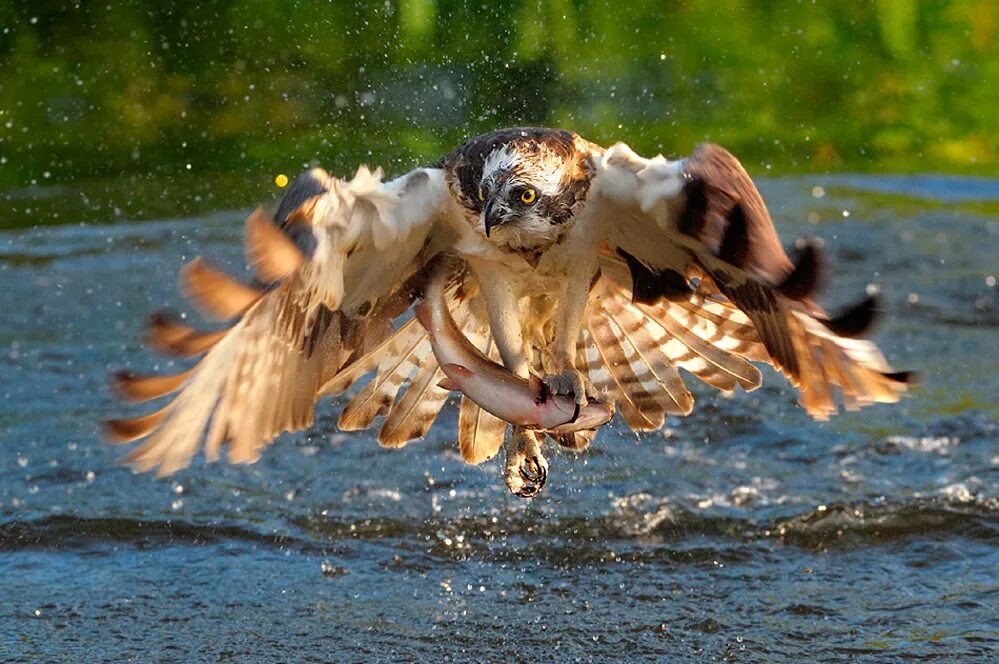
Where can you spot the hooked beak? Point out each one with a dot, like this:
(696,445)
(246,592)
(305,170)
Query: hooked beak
(492,216)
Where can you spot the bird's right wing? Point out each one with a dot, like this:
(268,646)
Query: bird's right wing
(697,237)
(346,263)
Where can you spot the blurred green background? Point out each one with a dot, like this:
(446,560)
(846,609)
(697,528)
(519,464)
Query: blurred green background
(127,109)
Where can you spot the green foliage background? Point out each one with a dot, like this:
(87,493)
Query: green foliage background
(197,104)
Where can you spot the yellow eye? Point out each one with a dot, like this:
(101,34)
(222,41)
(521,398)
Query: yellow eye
(528,197)
(482,194)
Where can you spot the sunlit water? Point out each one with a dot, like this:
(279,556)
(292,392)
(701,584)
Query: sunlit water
(744,531)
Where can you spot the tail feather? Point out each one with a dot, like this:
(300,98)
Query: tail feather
(413,414)
(480,434)
(377,398)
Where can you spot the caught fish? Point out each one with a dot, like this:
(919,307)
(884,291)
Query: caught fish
(494,388)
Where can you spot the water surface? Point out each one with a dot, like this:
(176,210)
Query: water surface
(744,532)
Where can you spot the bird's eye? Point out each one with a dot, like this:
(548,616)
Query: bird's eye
(482,194)
(528,196)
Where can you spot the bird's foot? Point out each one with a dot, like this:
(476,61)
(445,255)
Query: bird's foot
(573,383)
(526,469)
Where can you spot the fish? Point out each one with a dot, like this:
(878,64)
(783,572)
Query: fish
(524,402)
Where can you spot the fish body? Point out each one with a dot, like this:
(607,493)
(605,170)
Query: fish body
(495,389)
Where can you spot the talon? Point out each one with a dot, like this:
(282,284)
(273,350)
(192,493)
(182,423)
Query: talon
(572,382)
(528,492)
(542,476)
(526,468)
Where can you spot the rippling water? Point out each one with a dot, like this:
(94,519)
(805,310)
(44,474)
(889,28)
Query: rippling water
(743,532)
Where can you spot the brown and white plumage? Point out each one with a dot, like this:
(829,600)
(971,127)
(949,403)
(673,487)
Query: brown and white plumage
(630,271)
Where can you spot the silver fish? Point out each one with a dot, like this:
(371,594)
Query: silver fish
(491,386)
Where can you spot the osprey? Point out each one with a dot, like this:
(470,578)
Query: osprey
(599,271)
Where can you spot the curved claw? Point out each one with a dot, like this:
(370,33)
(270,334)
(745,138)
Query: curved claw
(526,471)
(574,383)
(535,476)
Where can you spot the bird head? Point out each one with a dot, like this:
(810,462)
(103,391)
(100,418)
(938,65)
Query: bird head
(527,189)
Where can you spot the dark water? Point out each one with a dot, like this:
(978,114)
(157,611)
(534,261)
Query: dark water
(743,532)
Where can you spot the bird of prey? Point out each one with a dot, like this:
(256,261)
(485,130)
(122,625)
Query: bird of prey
(601,272)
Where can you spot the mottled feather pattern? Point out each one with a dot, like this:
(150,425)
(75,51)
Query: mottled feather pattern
(706,359)
(410,363)
(377,396)
(817,354)
(726,239)
(634,327)
(262,375)
(397,343)
(412,414)
(691,277)
(716,329)
(733,331)
(640,409)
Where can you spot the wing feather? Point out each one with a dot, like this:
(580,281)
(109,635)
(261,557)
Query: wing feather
(702,220)
(167,335)
(639,409)
(412,415)
(718,368)
(263,375)
(270,252)
(136,388)
(401,342)
(377,396)
(633,327)
(217,295)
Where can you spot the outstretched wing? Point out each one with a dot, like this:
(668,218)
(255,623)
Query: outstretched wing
(706,272)
(347,262)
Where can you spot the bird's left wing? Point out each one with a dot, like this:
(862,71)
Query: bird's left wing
(346,261)
(707,269)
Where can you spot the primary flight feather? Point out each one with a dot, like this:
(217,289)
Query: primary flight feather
(599,271)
